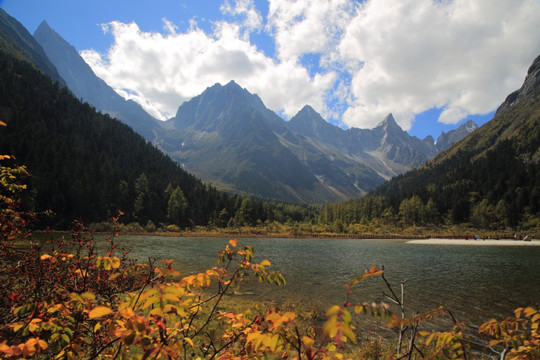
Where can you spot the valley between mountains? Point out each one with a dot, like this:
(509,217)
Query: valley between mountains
(228,137)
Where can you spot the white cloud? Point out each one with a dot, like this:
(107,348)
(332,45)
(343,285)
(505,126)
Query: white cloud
(461,56)
(305,26)
(253,19)
(163,71)
(453,115)
(169,26)
(375,57)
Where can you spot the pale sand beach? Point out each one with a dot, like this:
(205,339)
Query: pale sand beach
(478,242)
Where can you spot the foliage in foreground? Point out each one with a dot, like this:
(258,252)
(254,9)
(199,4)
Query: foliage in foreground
(68,305)
(63,300)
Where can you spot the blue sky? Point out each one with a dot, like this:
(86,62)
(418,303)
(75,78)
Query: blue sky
(432,64)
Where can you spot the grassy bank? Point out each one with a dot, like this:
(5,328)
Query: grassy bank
(351,231)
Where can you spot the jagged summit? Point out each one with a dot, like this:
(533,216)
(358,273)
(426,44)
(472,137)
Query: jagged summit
(389,121)
(445,140)
(44,25)
(308,109)
(232,84)
(308,115)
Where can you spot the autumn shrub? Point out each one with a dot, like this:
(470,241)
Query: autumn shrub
(61,299)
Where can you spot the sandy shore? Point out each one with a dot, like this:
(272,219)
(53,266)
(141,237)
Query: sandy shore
(478,242)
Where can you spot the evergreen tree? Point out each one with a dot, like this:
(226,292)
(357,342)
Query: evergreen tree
(176,207)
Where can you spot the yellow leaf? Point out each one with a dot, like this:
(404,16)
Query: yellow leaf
(45,257)
(176,290)
(495,342)
(116,262)
(99,312)
(265,263)
(308,342)
(189,341)
(127,312)
(157,311)
(171,297)
(347,331)
(88,296)
(114,276)
(106,261)
(334,310)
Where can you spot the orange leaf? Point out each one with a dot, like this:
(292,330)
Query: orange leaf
(233,242)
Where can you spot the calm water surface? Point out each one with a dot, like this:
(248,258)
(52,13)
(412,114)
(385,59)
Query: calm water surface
(475,282)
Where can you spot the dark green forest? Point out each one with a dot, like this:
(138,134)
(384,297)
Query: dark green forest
(87,166)
(491,180)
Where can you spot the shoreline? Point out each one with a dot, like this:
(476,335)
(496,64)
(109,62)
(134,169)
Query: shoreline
(474,242)
(464,239)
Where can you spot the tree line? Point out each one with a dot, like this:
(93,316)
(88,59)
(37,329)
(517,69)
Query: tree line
(86,165)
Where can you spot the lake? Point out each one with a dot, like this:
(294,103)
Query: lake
(476,283)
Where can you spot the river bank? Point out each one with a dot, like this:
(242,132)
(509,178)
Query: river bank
(474,242)
(422,237)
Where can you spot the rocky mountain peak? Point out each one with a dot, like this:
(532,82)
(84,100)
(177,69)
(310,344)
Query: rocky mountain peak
(310,123)
(529,89)
(44,26)
(307,116)
(470,126)
(389,122)
(445,140)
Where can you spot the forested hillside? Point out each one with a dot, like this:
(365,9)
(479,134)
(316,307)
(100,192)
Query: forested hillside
(490,180)
(86,165)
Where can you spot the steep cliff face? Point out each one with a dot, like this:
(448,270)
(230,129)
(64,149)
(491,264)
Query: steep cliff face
(82,81)
(528,91)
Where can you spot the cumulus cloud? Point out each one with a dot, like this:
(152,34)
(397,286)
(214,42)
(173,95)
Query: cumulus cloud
(162,71)
(306,26)
(460,56)
(372,58)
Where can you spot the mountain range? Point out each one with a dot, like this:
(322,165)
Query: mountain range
(491,177)
(228,137)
